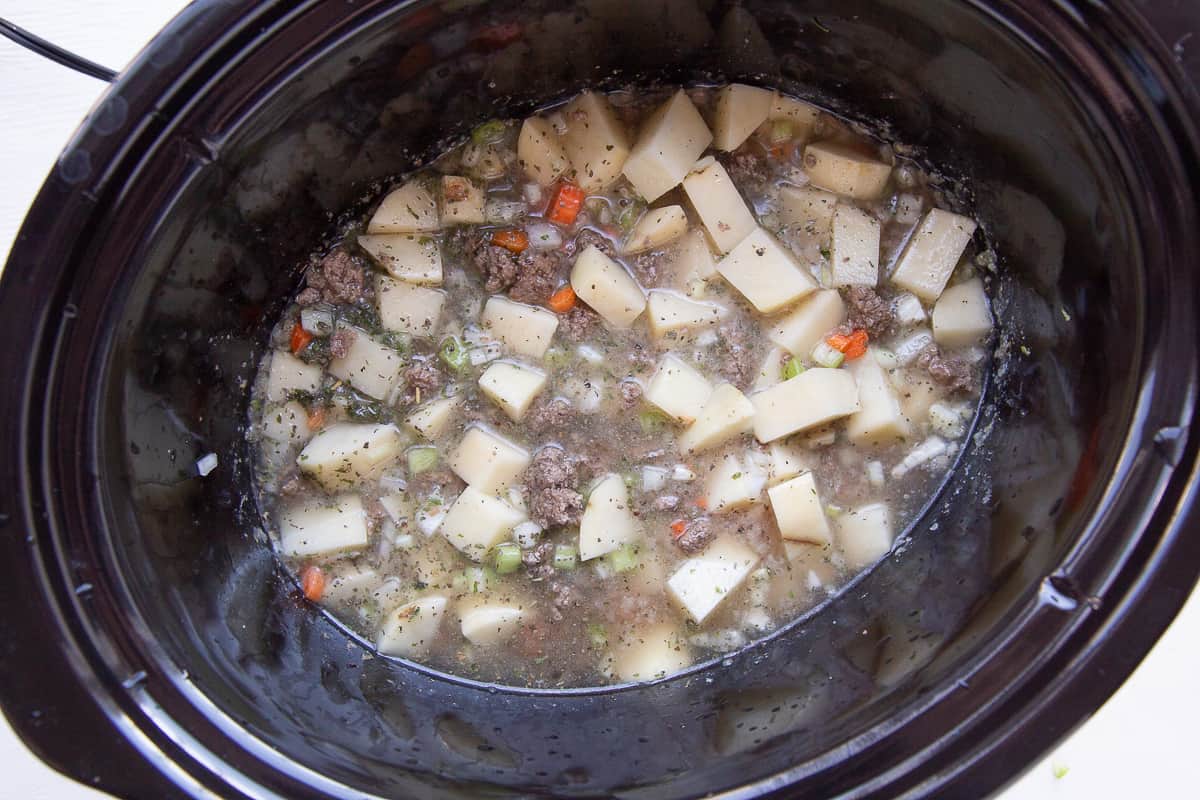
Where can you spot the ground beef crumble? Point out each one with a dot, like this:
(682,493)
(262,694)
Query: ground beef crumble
(696,536)
(424,375)
(339,278)
(551,414)
(579,324)
(552,489)
(951,372)
(341,341)
(869,311)
(539,273)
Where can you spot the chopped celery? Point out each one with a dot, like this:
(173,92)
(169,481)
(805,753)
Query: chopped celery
(422,459)
(826,356)
(781,131)
(508,557)
(623,559)
(471,579)
(565,557)
(630,214)
(791,368)
(652,421)
(453,354)
(598,635)
(489,132)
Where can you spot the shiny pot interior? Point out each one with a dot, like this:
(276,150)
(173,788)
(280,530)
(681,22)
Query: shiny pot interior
(174,230)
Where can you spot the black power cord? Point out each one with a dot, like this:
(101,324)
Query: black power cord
(55,53)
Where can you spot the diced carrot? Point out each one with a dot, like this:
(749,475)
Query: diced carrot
(496,36)
(316,418)
(300,338)
(677,528)
(513,240)
(563,300)
(702,502)
(853,345)
(565,204)
(312,581)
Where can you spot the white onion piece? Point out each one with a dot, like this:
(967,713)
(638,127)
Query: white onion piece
(544,236)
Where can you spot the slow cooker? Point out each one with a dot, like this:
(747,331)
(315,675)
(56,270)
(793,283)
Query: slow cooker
(153,646)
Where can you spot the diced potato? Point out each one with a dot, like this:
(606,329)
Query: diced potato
(286,423)
(369,366)
(799,512)
(771,371)
(407,307)
(649,653)
(721,209)
(961,316)
(595,141)
(289,374)
(802,115)
(812,398)
(694,260)
(348,453)
(879,419)
(803,327)
(765,272)
(854,255)
(462,201)
(678,389)
(844,170)
(701,583)
(932,253)
(865,534)
(605,286)
(668,311)
(917,393)
(431,419)
(657,227)
(477,522)
(669,143)
(785,462)
(726,414)
(523,329)
(409,257)
(740,109)
(608,522)
(409,630)
(322,527)
(735,483)
(539,151)
(488,461)
(407,209)
(512,386)
(491,624)
(808,209)
(349,585)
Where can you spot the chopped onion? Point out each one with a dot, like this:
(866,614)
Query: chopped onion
(909,310)
(653,479)
(484,353)
(544,235)
(527,534)
(885,358)
(429,523)
(395,507)
(516,498)
(317,320)
(909,348)
(206,464)
(875,473)
(824,355)
(405,541)
(946,421)
(589,354)
(532,193)
(926,451)
(503,212)
(681,472)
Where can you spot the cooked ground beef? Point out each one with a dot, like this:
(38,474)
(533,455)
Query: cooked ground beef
(869,311)
(539,273)
(953,373)
(497,266)
(587,237)
(649,267)
(426,482)
(696,536)
(549,414)
(341,341)
(631,393)
(537,561)
(746,167)
(563,596)
(551,489)
(735,353)
(845,484)
(666,502)
(579,324)
(339,278)
(424,375)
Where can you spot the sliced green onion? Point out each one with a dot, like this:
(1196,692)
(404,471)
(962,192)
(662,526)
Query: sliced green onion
(781,131)
(471,579)
(508,557)
(488,132)
(623,559)
(826,356)
(652,421)
(598,635)
(791,368)
(453,354)
(565,557)
(422,459)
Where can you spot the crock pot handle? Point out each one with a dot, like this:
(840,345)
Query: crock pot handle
(37,44)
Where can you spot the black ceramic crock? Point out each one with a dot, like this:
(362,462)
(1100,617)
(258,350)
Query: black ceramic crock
(150,644)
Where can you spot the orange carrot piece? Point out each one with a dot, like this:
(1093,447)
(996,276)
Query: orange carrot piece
(677,528)
(565,204)
(513,240)
(300,338)
(312,581)
(853,345)
(702,502)
(316,419)
(563,300)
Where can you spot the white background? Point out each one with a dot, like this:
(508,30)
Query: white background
(1141,744)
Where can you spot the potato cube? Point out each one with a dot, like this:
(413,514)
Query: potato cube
(539,151)
(430,420)
(595,142)
(491,624)
(289,374)
(801,114)
(406,209)
(678,389)
(608,522)
(657,227)
(812,398)
(735,483)
(799,512)
(808,209)
(369,366)
(803,327)
(488,461)
(410,257)
(407,307)
(409,630)
(321,527)
(865,534)
(854,255)
(605,286)
(477,522)
(765,272)
(961,316)
(721,209)
(771,370)
(345,454)
(648,653)
(286,423)
(668,311)
(512,386)
(693,260)
(523,329)
(879,419)
(740,109)
(726,414)
(701,583)
(462,201)
(669,143)
(845,170)
(932,253)
(785,462)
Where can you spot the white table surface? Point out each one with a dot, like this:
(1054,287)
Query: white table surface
(1140,744)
